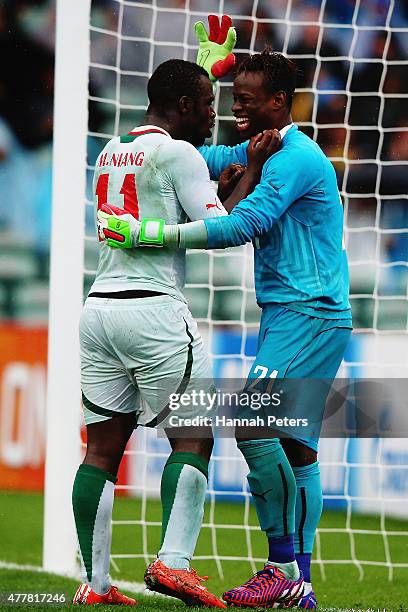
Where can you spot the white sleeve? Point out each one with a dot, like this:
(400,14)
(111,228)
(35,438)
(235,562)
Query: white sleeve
(189,174)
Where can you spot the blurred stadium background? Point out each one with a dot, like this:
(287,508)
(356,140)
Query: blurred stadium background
(352,99)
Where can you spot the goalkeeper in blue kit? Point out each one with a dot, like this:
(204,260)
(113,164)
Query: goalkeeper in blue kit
(294,218)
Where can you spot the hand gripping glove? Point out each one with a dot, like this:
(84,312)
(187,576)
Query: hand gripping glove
(123,231)
(118,228)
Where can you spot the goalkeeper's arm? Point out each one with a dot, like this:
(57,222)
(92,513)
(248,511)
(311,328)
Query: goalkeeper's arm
(252,217)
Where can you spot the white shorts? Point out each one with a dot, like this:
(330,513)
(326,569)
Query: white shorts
(135,353)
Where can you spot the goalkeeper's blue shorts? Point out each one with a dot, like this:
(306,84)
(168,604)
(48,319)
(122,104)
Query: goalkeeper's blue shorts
(293,345)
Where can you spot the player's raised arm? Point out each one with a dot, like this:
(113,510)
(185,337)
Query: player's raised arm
(215,56)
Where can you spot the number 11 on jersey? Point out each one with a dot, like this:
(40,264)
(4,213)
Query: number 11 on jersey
(128,190)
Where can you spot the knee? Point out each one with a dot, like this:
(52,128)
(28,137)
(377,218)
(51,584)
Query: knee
(104,455)
(105,461)
(205,448)
(106,441)
(298,454)
(199,446)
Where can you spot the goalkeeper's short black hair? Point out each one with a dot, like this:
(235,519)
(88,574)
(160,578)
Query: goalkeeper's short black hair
(279,71)
(172,80)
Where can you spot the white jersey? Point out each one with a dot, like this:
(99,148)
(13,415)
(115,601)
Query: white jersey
(149,174)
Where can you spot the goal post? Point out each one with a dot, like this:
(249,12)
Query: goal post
(66,282)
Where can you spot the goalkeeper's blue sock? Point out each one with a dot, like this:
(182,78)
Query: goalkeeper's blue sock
(273,488)
(183,489)
(92,502)
(309,504)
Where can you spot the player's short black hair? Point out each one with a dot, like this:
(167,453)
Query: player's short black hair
(279,71)
(172,80)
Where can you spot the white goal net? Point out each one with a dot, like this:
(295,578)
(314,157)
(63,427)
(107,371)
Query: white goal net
(351,99)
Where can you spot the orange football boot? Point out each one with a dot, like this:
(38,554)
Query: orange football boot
(185,584)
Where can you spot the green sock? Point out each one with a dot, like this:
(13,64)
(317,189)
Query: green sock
(183,488)
(92,502)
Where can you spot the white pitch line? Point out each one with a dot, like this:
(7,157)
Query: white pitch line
(133,587)
(25,568)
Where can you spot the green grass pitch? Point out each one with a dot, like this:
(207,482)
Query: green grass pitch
(21,543)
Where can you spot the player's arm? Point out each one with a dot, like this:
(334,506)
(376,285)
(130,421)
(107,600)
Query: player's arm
(191,180)
(284,181)
(219,157)
(252,217)
(188,174)
(215,56)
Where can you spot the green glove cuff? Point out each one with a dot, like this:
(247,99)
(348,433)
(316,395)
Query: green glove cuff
(151,232)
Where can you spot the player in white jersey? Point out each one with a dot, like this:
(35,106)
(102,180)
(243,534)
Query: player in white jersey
(139,342)
(147,173)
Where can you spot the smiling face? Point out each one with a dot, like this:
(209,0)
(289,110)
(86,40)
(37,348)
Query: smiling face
(255,108)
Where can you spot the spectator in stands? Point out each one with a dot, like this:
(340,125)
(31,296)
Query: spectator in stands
(26,95)
(18,178)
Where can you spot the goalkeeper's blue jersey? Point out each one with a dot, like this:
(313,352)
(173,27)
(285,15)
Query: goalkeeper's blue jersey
(295,219)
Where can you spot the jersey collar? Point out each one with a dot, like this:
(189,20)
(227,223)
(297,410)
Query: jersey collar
(285,129)
(141,130)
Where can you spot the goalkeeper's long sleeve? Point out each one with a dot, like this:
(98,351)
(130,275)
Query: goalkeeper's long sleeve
(219,157)
(186,235)
(281,185)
